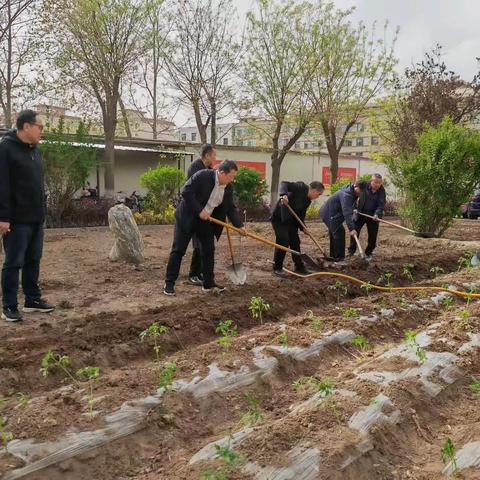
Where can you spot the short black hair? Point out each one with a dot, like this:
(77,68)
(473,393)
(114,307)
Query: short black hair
(26,116)
(206,149)
(227,166)
(377,175)
(362,185)
(317,186)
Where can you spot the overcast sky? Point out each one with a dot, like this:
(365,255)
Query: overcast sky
(455,24)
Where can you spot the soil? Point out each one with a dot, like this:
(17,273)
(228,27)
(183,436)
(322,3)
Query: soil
(104,306)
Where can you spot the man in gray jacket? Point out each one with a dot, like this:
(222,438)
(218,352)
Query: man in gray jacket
(337,209)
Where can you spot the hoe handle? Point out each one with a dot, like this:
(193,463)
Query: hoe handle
(388,223)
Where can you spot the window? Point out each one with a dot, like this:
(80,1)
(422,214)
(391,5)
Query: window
(360,142)
(360,127)
(225,140)
(348,143)
(184,137)
(194,136)
(374,140)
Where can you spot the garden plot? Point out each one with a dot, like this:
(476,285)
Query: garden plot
(338,382)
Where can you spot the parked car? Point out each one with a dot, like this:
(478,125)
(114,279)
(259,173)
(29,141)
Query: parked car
(472,208)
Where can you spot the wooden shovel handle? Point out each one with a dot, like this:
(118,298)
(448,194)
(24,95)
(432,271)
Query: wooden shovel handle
(230,245)
(252,235)
(388,223)
(360,249)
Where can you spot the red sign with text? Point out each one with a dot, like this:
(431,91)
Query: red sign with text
(259,166)
(350,173)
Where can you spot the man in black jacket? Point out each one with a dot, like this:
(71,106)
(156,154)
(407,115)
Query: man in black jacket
(207,193)
(299,196)
(337,209)
(372,203)
(208,157)
(22,214)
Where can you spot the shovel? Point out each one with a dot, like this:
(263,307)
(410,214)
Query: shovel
(417,234)
(315,241)
(359,245)
(307,259)
(236,272)
(475,261)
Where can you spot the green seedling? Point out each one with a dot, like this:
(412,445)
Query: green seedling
(313,384)
(411,339)
(282,339)
(330,404)
(437,271)
(227,329)
(350,312)
(447,303)
(5,436)
(340,288)
(22,399)
(54,360)
(408,270)
(258,306)
(449,455)
(464,261)
(154,331)
(361,342)
(475,386)
(404,303)
(253,414)
(385,279)
(89,374)
(213,475)
(167,375)
(367,287)
(315,322)
(464,314)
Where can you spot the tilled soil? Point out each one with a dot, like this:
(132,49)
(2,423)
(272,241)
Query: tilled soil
(103,307)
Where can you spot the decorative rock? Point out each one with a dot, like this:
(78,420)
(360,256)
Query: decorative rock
(128,246)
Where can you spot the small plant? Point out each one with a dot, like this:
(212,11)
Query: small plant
(155,331)
(464,261)
(313,384)
(22,399)
(475,386)
(437,271)
(350,312)
(167,375)
(404,303)
(227,329)
(448,454)
(253,414)
(54,360)
(411,339)
(282,339)
(340,288)
(258,306)
(89,374)
(386,279)
(361,342)
(367,287)
(213,475)
(315,322)
(5,436)
(408,270)
(447,303)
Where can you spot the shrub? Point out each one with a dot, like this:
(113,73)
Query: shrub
(149,217)
(391,208)
(439,177)
(337,186)
(84,212)
(162,184)
(249,188)
(313,212)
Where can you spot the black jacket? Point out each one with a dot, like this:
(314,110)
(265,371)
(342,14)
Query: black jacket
(372,203)
(297,193)
(195,167)
(339,207)
(22,194)
(195,195)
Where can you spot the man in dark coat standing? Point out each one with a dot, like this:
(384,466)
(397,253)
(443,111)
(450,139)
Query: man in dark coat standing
(22,214)
(208,193)
(337,209)
(207,160)
(299,196)
(372,203)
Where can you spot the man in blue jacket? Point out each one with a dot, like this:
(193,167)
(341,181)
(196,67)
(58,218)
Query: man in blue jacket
(208,158)
(372,203)
(337,209)
(208,193)
(22,214)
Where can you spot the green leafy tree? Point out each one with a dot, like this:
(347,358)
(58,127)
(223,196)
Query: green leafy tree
(438,178)
(249,187)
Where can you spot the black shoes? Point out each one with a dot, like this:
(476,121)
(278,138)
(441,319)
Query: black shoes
(194,280)
(169,290)
(214,288)
(280,273)
(301,269)
(11,315)
(38,306)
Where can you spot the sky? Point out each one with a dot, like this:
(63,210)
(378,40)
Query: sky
(455,24)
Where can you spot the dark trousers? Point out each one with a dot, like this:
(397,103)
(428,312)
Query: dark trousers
(337,242)
(372,228)
(196,265)
(286,234)
(23,247)
(204,231)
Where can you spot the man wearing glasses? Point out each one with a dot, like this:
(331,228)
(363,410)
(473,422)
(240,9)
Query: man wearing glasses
(22,214)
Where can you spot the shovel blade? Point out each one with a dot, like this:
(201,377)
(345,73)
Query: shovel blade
(237,273)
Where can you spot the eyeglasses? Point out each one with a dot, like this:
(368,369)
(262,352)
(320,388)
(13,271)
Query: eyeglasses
(39,125)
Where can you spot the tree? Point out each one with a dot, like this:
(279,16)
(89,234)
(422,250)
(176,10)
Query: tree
(10,10)
(202,57)
(249,188)
(438,177)
(427,93)
(66,168)
(96,43)
(279,63)
(356,66)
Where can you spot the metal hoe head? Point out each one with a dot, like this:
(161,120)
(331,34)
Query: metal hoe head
(237,273)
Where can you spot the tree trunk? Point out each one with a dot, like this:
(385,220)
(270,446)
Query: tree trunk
(331,142)
(109,165)
(202,128)
(213,120)
(275,181)
(128,130)
(8,85)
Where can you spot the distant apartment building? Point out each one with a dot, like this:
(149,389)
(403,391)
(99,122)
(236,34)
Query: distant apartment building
(192,135)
